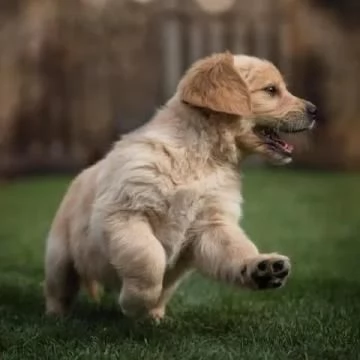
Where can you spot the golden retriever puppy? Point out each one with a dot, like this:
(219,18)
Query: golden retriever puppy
(166,199)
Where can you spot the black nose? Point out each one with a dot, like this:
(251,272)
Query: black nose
(311,110)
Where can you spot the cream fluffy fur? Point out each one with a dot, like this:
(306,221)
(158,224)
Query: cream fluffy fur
(166,199)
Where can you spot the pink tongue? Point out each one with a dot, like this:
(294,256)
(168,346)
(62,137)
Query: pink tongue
(287,147)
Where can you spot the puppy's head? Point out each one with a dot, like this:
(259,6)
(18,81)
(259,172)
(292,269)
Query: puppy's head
(254,94)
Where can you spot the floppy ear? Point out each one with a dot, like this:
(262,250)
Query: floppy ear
(213,83)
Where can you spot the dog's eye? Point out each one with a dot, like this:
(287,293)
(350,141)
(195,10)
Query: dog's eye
(271,90)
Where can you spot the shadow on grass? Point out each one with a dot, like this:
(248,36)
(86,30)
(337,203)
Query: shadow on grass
(24,306)
(307,317)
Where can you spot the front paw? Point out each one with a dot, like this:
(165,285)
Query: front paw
(157,314)
(266,271)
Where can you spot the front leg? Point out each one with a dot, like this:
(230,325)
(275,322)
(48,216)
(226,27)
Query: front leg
(172,280)
(224,252)
(139,260)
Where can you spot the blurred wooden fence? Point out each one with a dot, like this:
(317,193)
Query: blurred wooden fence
(76,73)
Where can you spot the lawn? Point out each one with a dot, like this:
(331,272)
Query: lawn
(312,217)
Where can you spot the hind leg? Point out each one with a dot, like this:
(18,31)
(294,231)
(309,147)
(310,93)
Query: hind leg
(61,278)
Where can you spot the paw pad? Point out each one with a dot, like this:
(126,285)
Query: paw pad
(269,273)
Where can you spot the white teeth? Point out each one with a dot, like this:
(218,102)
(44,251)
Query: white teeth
(312,125)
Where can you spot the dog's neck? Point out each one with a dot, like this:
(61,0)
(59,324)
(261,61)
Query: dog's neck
(207,128)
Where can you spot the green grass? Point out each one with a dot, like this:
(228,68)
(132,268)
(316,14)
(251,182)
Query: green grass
(312,217)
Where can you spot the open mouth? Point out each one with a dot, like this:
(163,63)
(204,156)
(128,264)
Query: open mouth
(272,138)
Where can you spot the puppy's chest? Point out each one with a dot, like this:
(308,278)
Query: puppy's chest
(221,192)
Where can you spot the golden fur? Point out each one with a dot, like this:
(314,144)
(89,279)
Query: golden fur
(166,199)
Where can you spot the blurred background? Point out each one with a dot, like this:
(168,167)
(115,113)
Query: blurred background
(74,74)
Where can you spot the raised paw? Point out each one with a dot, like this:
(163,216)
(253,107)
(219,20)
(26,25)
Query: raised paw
(266,271)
